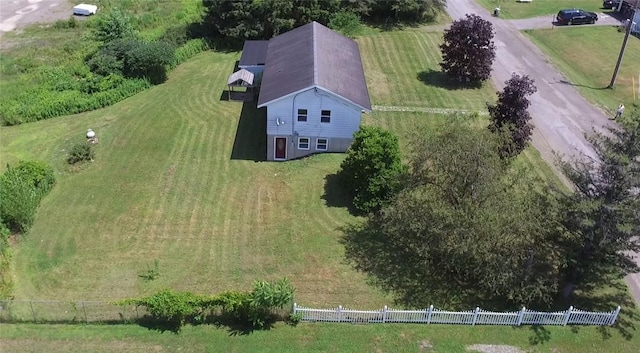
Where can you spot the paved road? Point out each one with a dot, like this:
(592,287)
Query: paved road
(548,22)
(560,114)
(17,13)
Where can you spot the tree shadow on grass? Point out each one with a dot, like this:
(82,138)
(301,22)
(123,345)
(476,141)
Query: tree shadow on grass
(250,142)
(597,301)
(606,300)
(440,79)
(335,194)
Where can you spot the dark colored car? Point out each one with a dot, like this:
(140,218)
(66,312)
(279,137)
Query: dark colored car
(610,4)
(575,16)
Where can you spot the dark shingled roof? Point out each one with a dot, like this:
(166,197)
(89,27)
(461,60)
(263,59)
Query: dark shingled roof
(254,52)
(314,55)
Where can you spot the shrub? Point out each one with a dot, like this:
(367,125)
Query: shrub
(149,60)
(172,308)
(38,174)
(104,64)
(19,201)
(371,171)
(116,24)
(346,23)
(80,152)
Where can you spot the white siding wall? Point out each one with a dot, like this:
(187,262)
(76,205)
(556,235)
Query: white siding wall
(345,118)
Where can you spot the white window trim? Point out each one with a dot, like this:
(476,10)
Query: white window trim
(308,143)
(325,116)
(326,144)
(306,116)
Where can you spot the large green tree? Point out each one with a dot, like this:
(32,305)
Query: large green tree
(602,215)
(467,228)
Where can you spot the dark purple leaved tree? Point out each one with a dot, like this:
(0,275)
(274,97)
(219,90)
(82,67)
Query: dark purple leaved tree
(468,50)
(510,115)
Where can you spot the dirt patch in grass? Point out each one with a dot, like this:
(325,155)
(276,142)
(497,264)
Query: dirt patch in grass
(493,348)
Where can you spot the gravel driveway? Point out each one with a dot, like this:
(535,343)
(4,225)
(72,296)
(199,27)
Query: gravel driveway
(560,114)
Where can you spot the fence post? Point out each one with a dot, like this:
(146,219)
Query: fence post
(615,316)
(85,313)
(295,308)
(384,314)
(33,312)
(521,316)
(429,314)
(475,315)
(339,313)
(566,316)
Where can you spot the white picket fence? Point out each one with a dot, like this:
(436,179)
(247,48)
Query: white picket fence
(478,316)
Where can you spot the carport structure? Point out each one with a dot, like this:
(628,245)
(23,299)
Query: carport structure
(241,78)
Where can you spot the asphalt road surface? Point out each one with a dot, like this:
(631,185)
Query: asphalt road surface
(18,13)
(560,114)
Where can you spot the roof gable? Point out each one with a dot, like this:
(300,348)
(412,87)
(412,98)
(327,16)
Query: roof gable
(313,55)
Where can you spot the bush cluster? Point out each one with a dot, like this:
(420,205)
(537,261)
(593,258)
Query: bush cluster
(21,189)
(253,309)
(80,152)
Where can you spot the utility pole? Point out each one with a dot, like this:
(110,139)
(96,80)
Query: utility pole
(624,46)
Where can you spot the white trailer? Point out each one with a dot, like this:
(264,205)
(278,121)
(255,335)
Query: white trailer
(85,9)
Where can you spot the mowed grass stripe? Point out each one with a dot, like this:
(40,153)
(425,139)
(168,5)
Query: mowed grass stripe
(403,68)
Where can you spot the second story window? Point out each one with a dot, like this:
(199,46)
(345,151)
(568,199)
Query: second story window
(325,116)
(302,115)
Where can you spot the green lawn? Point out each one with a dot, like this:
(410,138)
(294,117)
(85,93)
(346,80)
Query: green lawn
(587,56)
(511,9)
(175,179)
(312,338)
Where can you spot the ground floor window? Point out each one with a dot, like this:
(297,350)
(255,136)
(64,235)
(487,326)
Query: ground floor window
(303,143)
(322,144)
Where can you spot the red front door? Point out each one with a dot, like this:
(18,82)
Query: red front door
(281,147)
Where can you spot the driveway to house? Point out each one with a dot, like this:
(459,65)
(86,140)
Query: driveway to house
(548,22)
(560,114)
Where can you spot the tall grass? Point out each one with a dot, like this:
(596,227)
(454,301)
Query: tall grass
(44,74)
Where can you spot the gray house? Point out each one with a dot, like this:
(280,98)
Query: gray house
(313,87)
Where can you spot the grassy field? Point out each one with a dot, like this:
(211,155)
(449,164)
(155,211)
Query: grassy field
(176,179)
(587,56)
(313,338)
(511,9)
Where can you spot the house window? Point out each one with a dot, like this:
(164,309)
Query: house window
(302,115)
(303,143)
(321,144)
(325,116)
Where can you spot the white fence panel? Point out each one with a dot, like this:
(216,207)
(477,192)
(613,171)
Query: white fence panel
(494,318)
(580,317)
(356,316)
(540,318)
(476,317)
(411,316)
(452,317)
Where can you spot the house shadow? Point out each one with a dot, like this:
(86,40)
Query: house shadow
(335,194)
(250,143)
(440,79)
